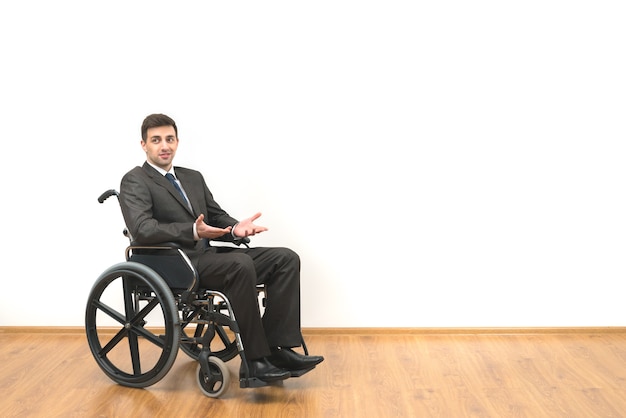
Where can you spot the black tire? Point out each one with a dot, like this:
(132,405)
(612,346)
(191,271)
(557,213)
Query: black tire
(125,340)
(216,383)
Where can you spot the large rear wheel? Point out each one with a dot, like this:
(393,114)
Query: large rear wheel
(132,325)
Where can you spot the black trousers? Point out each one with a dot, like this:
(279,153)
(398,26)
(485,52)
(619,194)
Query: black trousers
(236,272)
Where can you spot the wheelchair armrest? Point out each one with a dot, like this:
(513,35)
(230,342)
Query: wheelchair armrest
(245,241)
(229,239)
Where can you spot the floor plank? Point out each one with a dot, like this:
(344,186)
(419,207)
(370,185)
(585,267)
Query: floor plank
(379,375)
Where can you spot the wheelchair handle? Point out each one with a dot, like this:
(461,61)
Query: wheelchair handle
(104,196)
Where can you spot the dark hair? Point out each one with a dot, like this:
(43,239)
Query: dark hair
(154,121)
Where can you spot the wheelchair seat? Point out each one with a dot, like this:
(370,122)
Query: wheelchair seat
(169,261)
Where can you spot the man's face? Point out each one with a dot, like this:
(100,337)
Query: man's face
(160,146)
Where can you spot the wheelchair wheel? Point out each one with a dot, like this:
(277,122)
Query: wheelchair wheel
(132,325)
(216,383)
(223,344)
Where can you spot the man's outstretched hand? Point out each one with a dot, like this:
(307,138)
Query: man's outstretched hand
(208,231)
(247,227)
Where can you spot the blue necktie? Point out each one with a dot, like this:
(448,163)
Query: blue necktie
(172,180)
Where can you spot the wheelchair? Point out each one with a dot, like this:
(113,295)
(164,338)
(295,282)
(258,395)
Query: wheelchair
(141,311)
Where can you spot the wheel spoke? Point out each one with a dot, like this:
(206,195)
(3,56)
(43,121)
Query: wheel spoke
(113,342)
(109,311)
(211,381)
(199,331)
(223,336)
(153,338)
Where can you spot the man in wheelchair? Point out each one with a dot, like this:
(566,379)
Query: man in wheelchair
(162,203)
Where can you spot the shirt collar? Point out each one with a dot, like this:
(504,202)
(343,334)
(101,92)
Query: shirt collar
(163,172)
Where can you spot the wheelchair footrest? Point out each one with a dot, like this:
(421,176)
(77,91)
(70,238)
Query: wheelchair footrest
(252,382)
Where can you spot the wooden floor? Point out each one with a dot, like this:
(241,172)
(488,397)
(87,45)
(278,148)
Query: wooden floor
(408,374)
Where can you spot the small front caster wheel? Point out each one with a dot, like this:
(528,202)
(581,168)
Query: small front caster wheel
(216,383)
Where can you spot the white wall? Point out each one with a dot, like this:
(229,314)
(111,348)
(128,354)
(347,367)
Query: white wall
(434,163)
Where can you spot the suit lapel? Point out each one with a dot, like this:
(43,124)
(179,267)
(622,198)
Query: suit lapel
(189,191)
(160,180)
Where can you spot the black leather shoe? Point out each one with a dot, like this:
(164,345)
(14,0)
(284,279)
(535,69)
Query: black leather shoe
(288,359)
(263,370)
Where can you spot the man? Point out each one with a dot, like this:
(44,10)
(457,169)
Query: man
(163,203)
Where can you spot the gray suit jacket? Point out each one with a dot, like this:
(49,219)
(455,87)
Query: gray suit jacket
(155,212)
